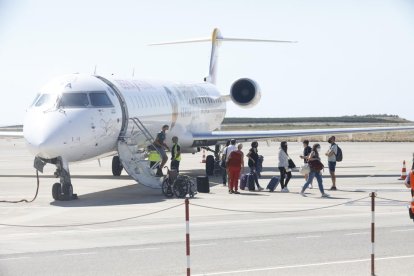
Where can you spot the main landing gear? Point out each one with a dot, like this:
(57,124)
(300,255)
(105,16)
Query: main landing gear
(62,190)
(116,166)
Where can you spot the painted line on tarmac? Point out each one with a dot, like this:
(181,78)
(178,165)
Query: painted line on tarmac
(402,230)
(203,244)
(15,258)
(259,240)
(308,237)
(357,233)
(143,249)
(301,266)
(80,254)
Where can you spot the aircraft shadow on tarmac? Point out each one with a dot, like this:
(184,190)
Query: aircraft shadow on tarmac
(125,195)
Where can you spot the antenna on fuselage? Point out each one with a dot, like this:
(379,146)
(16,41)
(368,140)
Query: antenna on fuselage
(94,70)
(133,71)
(216,39)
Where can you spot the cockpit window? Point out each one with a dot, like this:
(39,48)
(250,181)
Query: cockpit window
(43,100)
(100,99)
(74,100)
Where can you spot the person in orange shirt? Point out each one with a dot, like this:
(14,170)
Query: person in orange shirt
(234,165)
(409,183)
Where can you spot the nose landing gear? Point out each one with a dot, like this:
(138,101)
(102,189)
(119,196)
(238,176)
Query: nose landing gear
(62,190)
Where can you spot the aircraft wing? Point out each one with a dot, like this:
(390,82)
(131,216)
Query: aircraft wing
(11,134)
(207,139)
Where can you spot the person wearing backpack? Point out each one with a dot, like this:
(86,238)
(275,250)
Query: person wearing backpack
(315,166)
(331,153)
(253,157)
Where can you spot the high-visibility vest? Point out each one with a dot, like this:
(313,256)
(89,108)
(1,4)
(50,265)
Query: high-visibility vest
(154,156)
(174,149)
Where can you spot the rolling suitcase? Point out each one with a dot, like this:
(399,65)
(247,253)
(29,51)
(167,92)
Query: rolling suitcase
(243,181)
(250,182)
(203,185)
(274,181)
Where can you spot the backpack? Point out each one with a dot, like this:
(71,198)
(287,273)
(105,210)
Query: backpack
(338,155)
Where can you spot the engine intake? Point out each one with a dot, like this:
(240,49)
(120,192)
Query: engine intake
(245,92)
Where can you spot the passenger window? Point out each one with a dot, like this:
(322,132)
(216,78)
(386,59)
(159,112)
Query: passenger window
(100,99)
(74,100)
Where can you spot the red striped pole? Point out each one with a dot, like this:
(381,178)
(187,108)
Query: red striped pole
(373,195)
(187,235)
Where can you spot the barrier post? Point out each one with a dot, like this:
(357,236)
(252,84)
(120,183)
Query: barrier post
(187,235)
(373,195)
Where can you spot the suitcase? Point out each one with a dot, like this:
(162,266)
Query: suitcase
(250,182)
(274,181)
(203,185)
(243,181)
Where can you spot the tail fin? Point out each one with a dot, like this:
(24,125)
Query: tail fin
(216,40)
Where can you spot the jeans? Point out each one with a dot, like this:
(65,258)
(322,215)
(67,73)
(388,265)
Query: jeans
(318,176)
(224,175)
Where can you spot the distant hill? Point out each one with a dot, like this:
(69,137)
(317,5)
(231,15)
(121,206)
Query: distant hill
(380,118)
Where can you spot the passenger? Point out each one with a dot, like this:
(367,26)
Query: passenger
(231,147)
(409,181)
(306,151)
(283,167)
(223,163)
(160,145)
(253,157)
(331,153)
(235,166)
(314,155)
(175,155)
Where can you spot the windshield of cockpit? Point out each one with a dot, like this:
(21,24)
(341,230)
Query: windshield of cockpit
(73,100)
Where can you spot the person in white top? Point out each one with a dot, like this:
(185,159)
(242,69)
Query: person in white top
(231,147)
(283,167)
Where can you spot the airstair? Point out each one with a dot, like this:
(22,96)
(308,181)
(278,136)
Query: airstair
(133,150)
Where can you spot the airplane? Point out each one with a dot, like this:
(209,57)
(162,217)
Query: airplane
(77,117)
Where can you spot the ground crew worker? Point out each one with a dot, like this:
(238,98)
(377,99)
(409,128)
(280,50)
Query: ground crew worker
(154,157)
(175,155)
(409,183)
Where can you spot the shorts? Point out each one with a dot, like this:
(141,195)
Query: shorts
(332,166)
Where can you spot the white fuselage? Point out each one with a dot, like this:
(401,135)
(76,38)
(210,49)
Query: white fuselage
(78,117)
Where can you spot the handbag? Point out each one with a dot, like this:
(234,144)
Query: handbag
(304,170)
(315,165)
(291,164)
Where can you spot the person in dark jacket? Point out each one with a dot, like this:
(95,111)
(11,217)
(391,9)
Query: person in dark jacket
(306,151)
(253,157)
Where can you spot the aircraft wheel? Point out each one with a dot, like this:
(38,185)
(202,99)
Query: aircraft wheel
(210,165)
(116,166)
(56,191)
(68,191)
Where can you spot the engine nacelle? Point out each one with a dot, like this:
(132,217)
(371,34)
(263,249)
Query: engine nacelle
(245,92)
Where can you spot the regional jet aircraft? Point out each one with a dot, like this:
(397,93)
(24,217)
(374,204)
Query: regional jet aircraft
(78,117)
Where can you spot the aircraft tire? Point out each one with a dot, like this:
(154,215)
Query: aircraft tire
(116,166)
(68,192)
(210,165)
(56,191)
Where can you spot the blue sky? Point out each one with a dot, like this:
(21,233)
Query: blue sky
(353,57)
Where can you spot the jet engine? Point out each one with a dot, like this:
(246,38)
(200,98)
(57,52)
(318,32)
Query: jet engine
(245,92)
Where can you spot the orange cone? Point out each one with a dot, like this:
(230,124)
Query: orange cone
(204,156)
(403,172)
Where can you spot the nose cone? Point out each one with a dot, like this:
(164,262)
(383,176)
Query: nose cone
(42,135)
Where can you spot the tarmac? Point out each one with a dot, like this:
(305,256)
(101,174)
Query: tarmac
(118,227)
